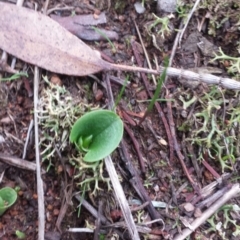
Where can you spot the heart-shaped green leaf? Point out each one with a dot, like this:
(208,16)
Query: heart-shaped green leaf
(98,132)
(8,197)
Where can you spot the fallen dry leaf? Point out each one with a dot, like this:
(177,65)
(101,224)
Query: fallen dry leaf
(39,40)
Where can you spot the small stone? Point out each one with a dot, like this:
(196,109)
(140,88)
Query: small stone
(188,207)
(20,193)
(197,213)
(50,207)
(139,7)
(184,113)
(48,216)
(5,120)
(35,196)
(98,95)
(2,140)
(60,169)
(163,142)
(167,5)
(56,80)
(156,188)
(96,14)
(55,212)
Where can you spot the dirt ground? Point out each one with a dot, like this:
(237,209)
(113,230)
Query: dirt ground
(171,160)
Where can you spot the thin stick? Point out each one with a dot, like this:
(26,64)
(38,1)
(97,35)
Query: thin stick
(173,52)
(136,181)
(137,149)
(121,199)
(41,209)
(120,196)
(188,19)
(176,145)
(145,52)
(181,73)
(18,162)
(27,139)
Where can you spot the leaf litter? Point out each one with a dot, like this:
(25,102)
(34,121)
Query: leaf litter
(39,40)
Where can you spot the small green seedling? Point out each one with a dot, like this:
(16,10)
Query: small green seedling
(14,77)
(106,37)
(97,133)
(8,197)
(20,235)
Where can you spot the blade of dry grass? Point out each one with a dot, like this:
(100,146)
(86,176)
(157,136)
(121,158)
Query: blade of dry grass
(120,195)
(41,208)
(121,198)
(188,19)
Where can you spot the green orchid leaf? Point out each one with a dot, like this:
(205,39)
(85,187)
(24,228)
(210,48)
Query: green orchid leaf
(84,143)
(98,133)
(8,197)
(2,203)
(20,235)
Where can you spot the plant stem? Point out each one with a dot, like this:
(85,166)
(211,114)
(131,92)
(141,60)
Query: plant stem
(157,91)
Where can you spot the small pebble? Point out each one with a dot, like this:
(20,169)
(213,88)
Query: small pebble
(139,7)
(197,213)
(188,207)
(50,207)
(48,216)
(35,196)
(20,193)
(56,80)
(156,188)
(59,169)
(2,140)
(55,212)
(167,5)
(98,95)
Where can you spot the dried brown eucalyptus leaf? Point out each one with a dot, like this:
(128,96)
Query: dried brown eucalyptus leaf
(39,40)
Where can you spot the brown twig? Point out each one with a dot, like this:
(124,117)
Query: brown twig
(135,209)
(18,162)
(67,194)
(176,146)
(98,222)
(136,182)
(127,118)
(210,169)
(213,197)
(40,192)
(188,19)
(119,193)
(136,146)
(189,148)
